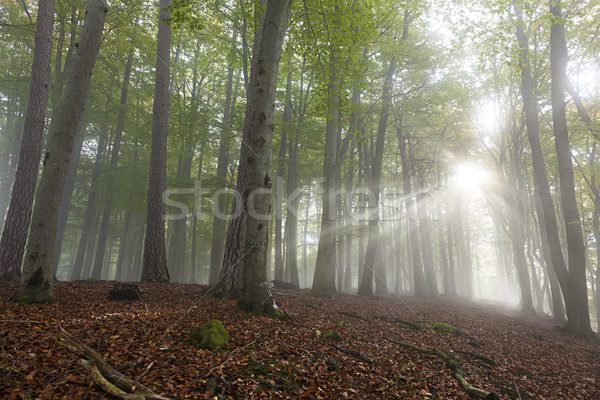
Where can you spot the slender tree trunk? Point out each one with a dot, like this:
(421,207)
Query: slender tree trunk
(425,235)
(291,220)
(155,260)
(374,243)
(38,272)
(218,230)
(419,287)
(114,160)
(577,306)
(323,285)
(544,204)
(287,119)
(255,293)
(14,236)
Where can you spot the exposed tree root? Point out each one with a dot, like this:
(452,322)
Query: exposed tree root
(107,378)
(456,367)
(353,315)
(355,353)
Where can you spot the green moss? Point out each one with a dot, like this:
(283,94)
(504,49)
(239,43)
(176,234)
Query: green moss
(411,324)
(211,336)
(333,335)
(443,327)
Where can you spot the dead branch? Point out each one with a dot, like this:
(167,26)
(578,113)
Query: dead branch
(455,366)
(108,373)
(104,384)
(355,353)
(228,358)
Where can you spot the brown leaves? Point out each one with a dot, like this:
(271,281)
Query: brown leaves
(500,351)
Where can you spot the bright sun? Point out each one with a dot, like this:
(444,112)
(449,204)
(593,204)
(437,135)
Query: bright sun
(470,176)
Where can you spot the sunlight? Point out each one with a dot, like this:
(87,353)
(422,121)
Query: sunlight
(487,118)
(470,177)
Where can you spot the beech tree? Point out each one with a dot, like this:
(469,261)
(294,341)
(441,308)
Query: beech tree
(38,269)
(14,235)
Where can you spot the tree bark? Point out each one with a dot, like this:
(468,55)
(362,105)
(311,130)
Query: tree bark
(544,204)
(14,234)
(38,272)
(323,284)
(374,243)
(114,160)
(65,200)
(419,287)
(218,230)
(255,294)
(229,282)
(577,306)
(154,267)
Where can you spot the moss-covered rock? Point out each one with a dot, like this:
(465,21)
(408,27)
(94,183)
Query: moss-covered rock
(333,335)
(211,336)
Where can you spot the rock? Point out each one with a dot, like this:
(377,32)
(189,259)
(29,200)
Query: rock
(211,336)
(125,292)
(279,284)
(333,335)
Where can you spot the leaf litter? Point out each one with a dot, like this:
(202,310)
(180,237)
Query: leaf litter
(501,350)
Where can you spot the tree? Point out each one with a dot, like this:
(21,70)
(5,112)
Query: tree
(577,304)
(38,270)
(14,235)
(255,293)
(155,259)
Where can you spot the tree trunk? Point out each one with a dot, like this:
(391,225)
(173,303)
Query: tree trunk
(154,267)
(65,200)
(14,234)
(374,243)
(544,203)
(419,287)
(291,220)
(255,293)
(279,273)
(90,210)
(425,235)
(218,230)
(38,273)
(229,282)
(323,285)
(577,306)
(114,160)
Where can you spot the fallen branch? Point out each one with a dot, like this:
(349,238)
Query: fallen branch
(456,367)
(355,353)
(108,373)
(353,315)
(143,374)
(21,321)
(104,384)
(228,358)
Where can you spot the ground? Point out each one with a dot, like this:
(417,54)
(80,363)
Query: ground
(501,350)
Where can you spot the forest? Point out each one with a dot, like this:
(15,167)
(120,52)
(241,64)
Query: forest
(377,199)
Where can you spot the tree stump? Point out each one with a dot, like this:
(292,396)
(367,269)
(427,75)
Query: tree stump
(125,292)
(279,284)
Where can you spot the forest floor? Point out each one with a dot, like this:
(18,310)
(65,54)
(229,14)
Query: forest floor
(501,350)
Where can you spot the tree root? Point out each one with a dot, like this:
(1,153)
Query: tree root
(456,367)
(355,353)
(107,378)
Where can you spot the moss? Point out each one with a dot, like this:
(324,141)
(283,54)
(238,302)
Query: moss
(211,336)
(443,327)
(411,324)
(333,335)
